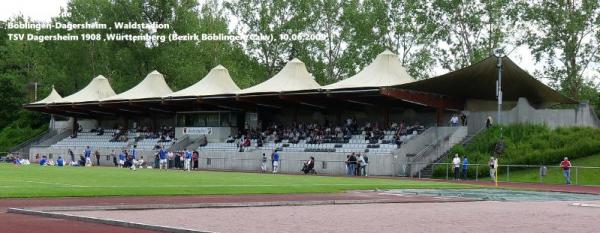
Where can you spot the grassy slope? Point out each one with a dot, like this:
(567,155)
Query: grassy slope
(36,181)
(585,176)
(531,145)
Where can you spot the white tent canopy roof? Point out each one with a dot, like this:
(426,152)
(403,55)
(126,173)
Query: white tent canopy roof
(52,97)
(216,82)
(385,71)
(97,89)
(293,77)
(153,86)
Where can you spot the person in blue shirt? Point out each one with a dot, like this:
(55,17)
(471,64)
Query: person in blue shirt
(60,162)
(133,160)
(162,156)
(122,158)
(43,161)
(87,153)
(465,167)
(188,160)
(275,161)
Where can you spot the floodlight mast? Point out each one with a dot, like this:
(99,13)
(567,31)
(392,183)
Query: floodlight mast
(499,54)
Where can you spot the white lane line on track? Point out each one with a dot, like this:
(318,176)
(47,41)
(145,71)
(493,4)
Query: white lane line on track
(204,186)
(57,184)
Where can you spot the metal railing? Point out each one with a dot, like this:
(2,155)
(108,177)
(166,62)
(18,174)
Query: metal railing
(544,173)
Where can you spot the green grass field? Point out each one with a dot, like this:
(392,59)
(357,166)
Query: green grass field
(36,181)
(584,176)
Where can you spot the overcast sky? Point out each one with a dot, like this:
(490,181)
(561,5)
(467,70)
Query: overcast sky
(43,10)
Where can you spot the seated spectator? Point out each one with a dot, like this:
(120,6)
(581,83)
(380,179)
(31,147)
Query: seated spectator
(259,142)
(43,161)
(309,165)
(246,143)
(203,141)
(81,161)
(230,139)
(140,162)
(100,131)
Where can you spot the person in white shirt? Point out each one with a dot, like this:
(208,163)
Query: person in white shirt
(493,163)
(456,164)
(454,120)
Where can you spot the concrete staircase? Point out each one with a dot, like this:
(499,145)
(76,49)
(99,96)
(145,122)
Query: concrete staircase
(441,140)
(427,172)
(181,144)
(45,139)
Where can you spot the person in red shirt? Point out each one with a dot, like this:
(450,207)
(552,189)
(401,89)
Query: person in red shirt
(566,166)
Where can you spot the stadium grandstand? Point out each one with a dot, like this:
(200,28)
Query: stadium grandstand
(381,111)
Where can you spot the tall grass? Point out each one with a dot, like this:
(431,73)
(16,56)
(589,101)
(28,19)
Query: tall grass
(529,144)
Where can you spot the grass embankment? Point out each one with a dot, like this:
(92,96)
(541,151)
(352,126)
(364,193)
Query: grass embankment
(36,181)
(528,144)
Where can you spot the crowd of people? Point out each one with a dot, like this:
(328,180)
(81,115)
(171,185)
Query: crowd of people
(356,164)
(315,133)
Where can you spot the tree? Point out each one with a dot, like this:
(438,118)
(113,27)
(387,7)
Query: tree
(471,29)
(565,35)
(411,31)
(271,18)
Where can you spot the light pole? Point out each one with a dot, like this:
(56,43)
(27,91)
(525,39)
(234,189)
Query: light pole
(499,54)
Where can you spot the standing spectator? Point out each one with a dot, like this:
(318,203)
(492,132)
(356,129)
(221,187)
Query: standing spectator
(493,163)
(162,155)
(463,119)
(465,167)
(275,161)
(71,154)
(454,120)
(156,159)
(566,166)
(133,160)
(97,153)
(177,160)
(187,160)
(195,158)
(263,163)
(171,158)
(122,158)
(113,154)
(456,164)
(362,165)
(87,153)
(489,122)
(272,162)
(366,158)
(351,164)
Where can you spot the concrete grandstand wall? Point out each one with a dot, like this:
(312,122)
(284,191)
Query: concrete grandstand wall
(291,162)
(523,112)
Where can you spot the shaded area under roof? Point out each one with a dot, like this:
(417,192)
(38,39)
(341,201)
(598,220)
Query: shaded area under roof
(386,70)
(216,82)
(98,88)
(153,86)
(478,81)
(293,77)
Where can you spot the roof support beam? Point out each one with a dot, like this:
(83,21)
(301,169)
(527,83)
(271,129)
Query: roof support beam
(424,98)
(292,99)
